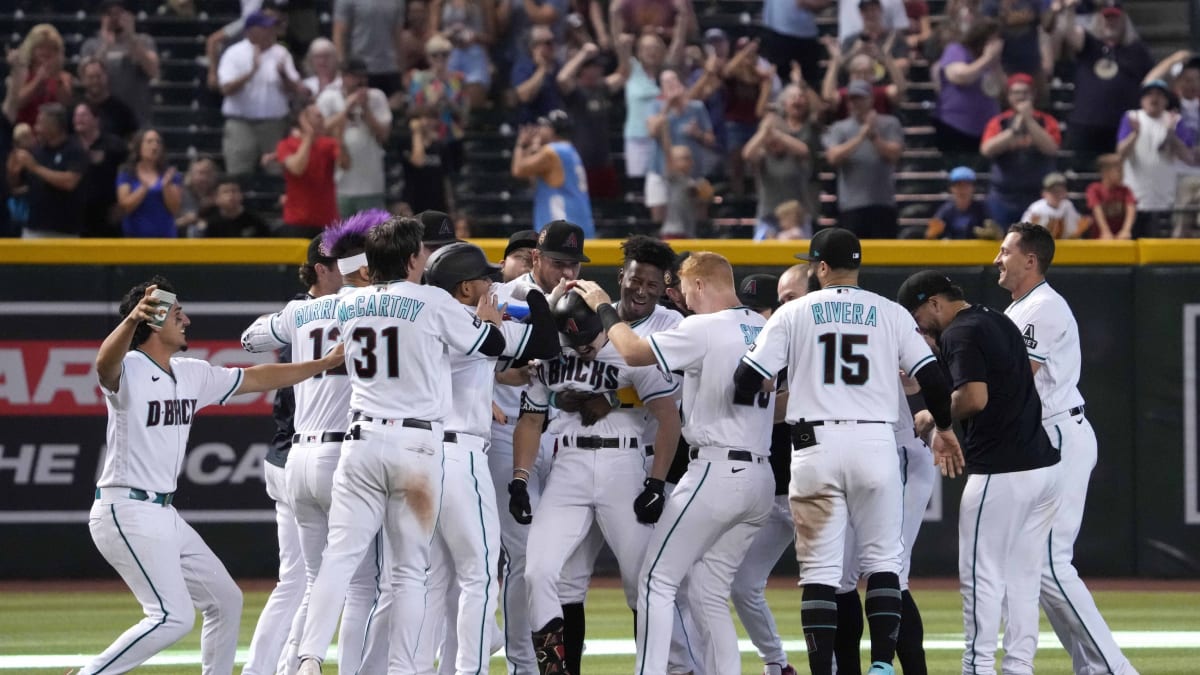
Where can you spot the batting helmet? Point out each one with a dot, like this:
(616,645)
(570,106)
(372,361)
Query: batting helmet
(454,263)
(575,320)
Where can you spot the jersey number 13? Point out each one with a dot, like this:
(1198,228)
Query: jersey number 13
(855,368)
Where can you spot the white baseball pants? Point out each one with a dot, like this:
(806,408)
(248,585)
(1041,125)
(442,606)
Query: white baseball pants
(271,633)
(514,594)
(466,552)
(585,486)
(1003,523)
(363,631)
(748,591)
(917,473)
(172,573)
(390,475)
(849,478)
(1065,598)
(704,532)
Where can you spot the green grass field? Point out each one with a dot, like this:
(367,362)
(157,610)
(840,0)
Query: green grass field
(84,622)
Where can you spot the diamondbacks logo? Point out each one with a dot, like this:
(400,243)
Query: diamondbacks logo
(446,229)
(572,327)
(541,238)
(1030,338)
(751,287)
(571,242)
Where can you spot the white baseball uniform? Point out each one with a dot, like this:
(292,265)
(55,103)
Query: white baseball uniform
(598,472)
(835,342)
(514,596)
(466,548)
(1052,338)
(390,473)
(166,564)
(309,328)
(725,496)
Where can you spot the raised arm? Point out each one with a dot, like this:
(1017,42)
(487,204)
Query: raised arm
(116,345)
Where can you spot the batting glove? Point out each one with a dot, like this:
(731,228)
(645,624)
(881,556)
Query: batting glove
(518,502)
(649,505)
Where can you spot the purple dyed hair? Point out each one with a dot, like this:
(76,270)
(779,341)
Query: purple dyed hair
(358,224)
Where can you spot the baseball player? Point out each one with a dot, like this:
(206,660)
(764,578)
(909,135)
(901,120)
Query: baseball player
(1012,490)
(397,334)
(841,346)
(1052,339)
(319,274)
(466,548)
(323,413)
(597,469)
(556,258)
(437,230)
(518,255)
(762,293)
(152,397)
(714,513)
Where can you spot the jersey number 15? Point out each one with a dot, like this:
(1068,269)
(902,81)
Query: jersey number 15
(855,368)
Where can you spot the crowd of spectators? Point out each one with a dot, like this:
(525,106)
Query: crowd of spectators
(376,112)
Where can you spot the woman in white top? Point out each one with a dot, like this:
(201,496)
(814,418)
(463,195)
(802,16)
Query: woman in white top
(322,66)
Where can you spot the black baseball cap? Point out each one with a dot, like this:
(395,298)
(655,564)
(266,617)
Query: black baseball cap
(922,286)
(355,66)
(316,254)
(562,240)
(557,120)
(458,262)
(759,291)
(439,230)
(835,246)
(671,276)
(522,239)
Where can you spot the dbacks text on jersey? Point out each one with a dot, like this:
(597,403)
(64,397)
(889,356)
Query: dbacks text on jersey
(598,375)
(169,413)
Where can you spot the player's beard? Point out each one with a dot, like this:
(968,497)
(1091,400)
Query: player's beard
(814,284)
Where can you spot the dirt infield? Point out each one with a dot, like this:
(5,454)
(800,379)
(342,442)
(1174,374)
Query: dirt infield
(932,583)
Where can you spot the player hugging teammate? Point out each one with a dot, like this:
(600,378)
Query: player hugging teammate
(426,390)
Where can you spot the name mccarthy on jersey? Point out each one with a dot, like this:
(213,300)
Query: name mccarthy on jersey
(384,304)
(853,313)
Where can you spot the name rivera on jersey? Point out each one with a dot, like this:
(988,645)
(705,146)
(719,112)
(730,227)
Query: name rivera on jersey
(844,312)
(394,306)
(172,412)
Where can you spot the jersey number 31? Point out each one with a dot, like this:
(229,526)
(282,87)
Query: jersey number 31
(855,368)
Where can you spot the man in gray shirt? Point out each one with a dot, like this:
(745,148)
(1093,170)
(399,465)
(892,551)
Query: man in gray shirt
(130,58)
(372,31)
(864,148)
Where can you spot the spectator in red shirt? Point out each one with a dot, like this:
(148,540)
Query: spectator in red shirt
(920,26)
(309,156)
(887,93)
(37,73)
(748,83)
(1110,201)
(1022,144)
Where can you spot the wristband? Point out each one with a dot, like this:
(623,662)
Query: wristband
(608,316)
(521,471)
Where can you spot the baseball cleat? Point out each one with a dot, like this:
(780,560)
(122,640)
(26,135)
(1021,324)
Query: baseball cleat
(881,668)
(789,670)
(309,666)
(772,669)
(549,651)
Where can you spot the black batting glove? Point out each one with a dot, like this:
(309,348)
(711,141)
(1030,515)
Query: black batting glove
(649,505)
(518,502)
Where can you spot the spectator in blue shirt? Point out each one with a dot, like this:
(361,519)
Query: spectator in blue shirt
(959,217)
(535,81)
(149,192)
(790,34)
(674,120)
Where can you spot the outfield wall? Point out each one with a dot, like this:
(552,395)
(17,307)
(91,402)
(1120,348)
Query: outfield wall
(1137,304)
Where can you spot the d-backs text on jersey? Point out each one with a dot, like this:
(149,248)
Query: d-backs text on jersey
(598,375)
(169,413)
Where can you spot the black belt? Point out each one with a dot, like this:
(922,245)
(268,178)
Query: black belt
(450,437)
(1077,410)
(143,496)
(596,442)
(324,437)
(734,455)
(821,423)
(410,423)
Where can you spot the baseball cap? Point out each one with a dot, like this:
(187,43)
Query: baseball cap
(522,239)
(557,120)
(109,4)
(866,3)
(575,320)
(1160,85)
(355,66)
(457,262)
(1110,12)
(1020,78)
(835,246)
(920,287)
(260,20)
(562,240)
(713,35)
(1052,179)
(858,88)
(962,173)
(671,276)
(316,254)
(438,228)
(759,291)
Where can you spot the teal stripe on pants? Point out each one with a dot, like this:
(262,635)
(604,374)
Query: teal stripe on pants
(113,510)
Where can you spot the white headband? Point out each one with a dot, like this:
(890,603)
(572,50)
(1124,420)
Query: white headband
(352,264)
